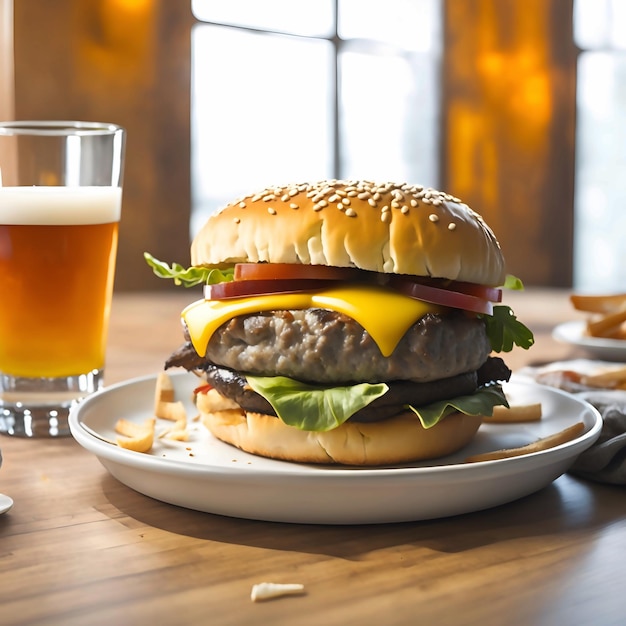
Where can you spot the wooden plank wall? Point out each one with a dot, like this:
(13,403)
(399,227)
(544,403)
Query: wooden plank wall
(128,62)
(509,104)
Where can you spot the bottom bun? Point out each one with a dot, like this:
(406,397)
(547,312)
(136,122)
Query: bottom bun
(399,439)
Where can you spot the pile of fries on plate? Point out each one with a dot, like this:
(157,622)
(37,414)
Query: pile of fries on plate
(607,314)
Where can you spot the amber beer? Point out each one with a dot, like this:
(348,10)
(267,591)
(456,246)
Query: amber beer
(57,260)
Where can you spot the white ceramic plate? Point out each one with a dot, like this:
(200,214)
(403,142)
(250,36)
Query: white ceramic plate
(207,475)
(574,334)
(5,503)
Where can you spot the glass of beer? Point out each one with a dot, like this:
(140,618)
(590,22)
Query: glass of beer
(60,205)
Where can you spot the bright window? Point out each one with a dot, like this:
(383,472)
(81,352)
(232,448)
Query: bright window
(284,91)
(600,195)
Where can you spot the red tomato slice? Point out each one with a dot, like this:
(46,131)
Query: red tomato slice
(267,278)
(443,297)
(242,288)
(294,271)
(493,294)
(434,295)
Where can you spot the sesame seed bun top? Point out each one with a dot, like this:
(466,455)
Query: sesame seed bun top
(381,227)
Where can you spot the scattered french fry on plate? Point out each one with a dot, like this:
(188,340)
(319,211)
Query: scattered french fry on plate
(178,432)
(173,411)
(140,437)
(137,437)
(515,413)
(545,443)
(164,390)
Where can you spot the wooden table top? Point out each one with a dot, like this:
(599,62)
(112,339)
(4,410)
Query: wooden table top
(78,547)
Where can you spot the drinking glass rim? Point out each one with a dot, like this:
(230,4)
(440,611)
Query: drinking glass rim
(58,128)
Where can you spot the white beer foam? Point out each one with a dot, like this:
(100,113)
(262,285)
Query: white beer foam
(60,205)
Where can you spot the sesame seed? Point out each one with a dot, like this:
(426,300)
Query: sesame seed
(395,196)
(236,220)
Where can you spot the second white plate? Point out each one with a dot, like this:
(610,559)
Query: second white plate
(207,475)
(573,333)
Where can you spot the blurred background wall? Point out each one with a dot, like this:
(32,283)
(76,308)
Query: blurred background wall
(479,97)
(126,62)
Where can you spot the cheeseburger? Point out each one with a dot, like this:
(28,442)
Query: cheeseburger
(346,322)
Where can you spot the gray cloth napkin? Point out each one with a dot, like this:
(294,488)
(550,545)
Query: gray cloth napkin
(605,460)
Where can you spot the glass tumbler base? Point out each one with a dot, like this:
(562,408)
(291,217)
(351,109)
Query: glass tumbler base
(40,407)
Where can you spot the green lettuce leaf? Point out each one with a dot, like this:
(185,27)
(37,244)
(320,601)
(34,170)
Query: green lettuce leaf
(190,276)
(513,283)
(505,330)
(313,407)
(317,408)
(481,402)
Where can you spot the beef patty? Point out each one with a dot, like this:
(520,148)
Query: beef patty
(322,346)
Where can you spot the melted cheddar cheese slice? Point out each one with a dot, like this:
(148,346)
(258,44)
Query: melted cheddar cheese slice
(385,315)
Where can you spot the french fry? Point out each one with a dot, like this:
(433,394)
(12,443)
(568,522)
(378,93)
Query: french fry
(606,325)
(132,429)
(164,390)
(608,314)
(137,437)
(606,379)
(165,406)
(178,432)
(176,435)
(515,413)
(140,437)
(173,411)
(598,304)
(545,443)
